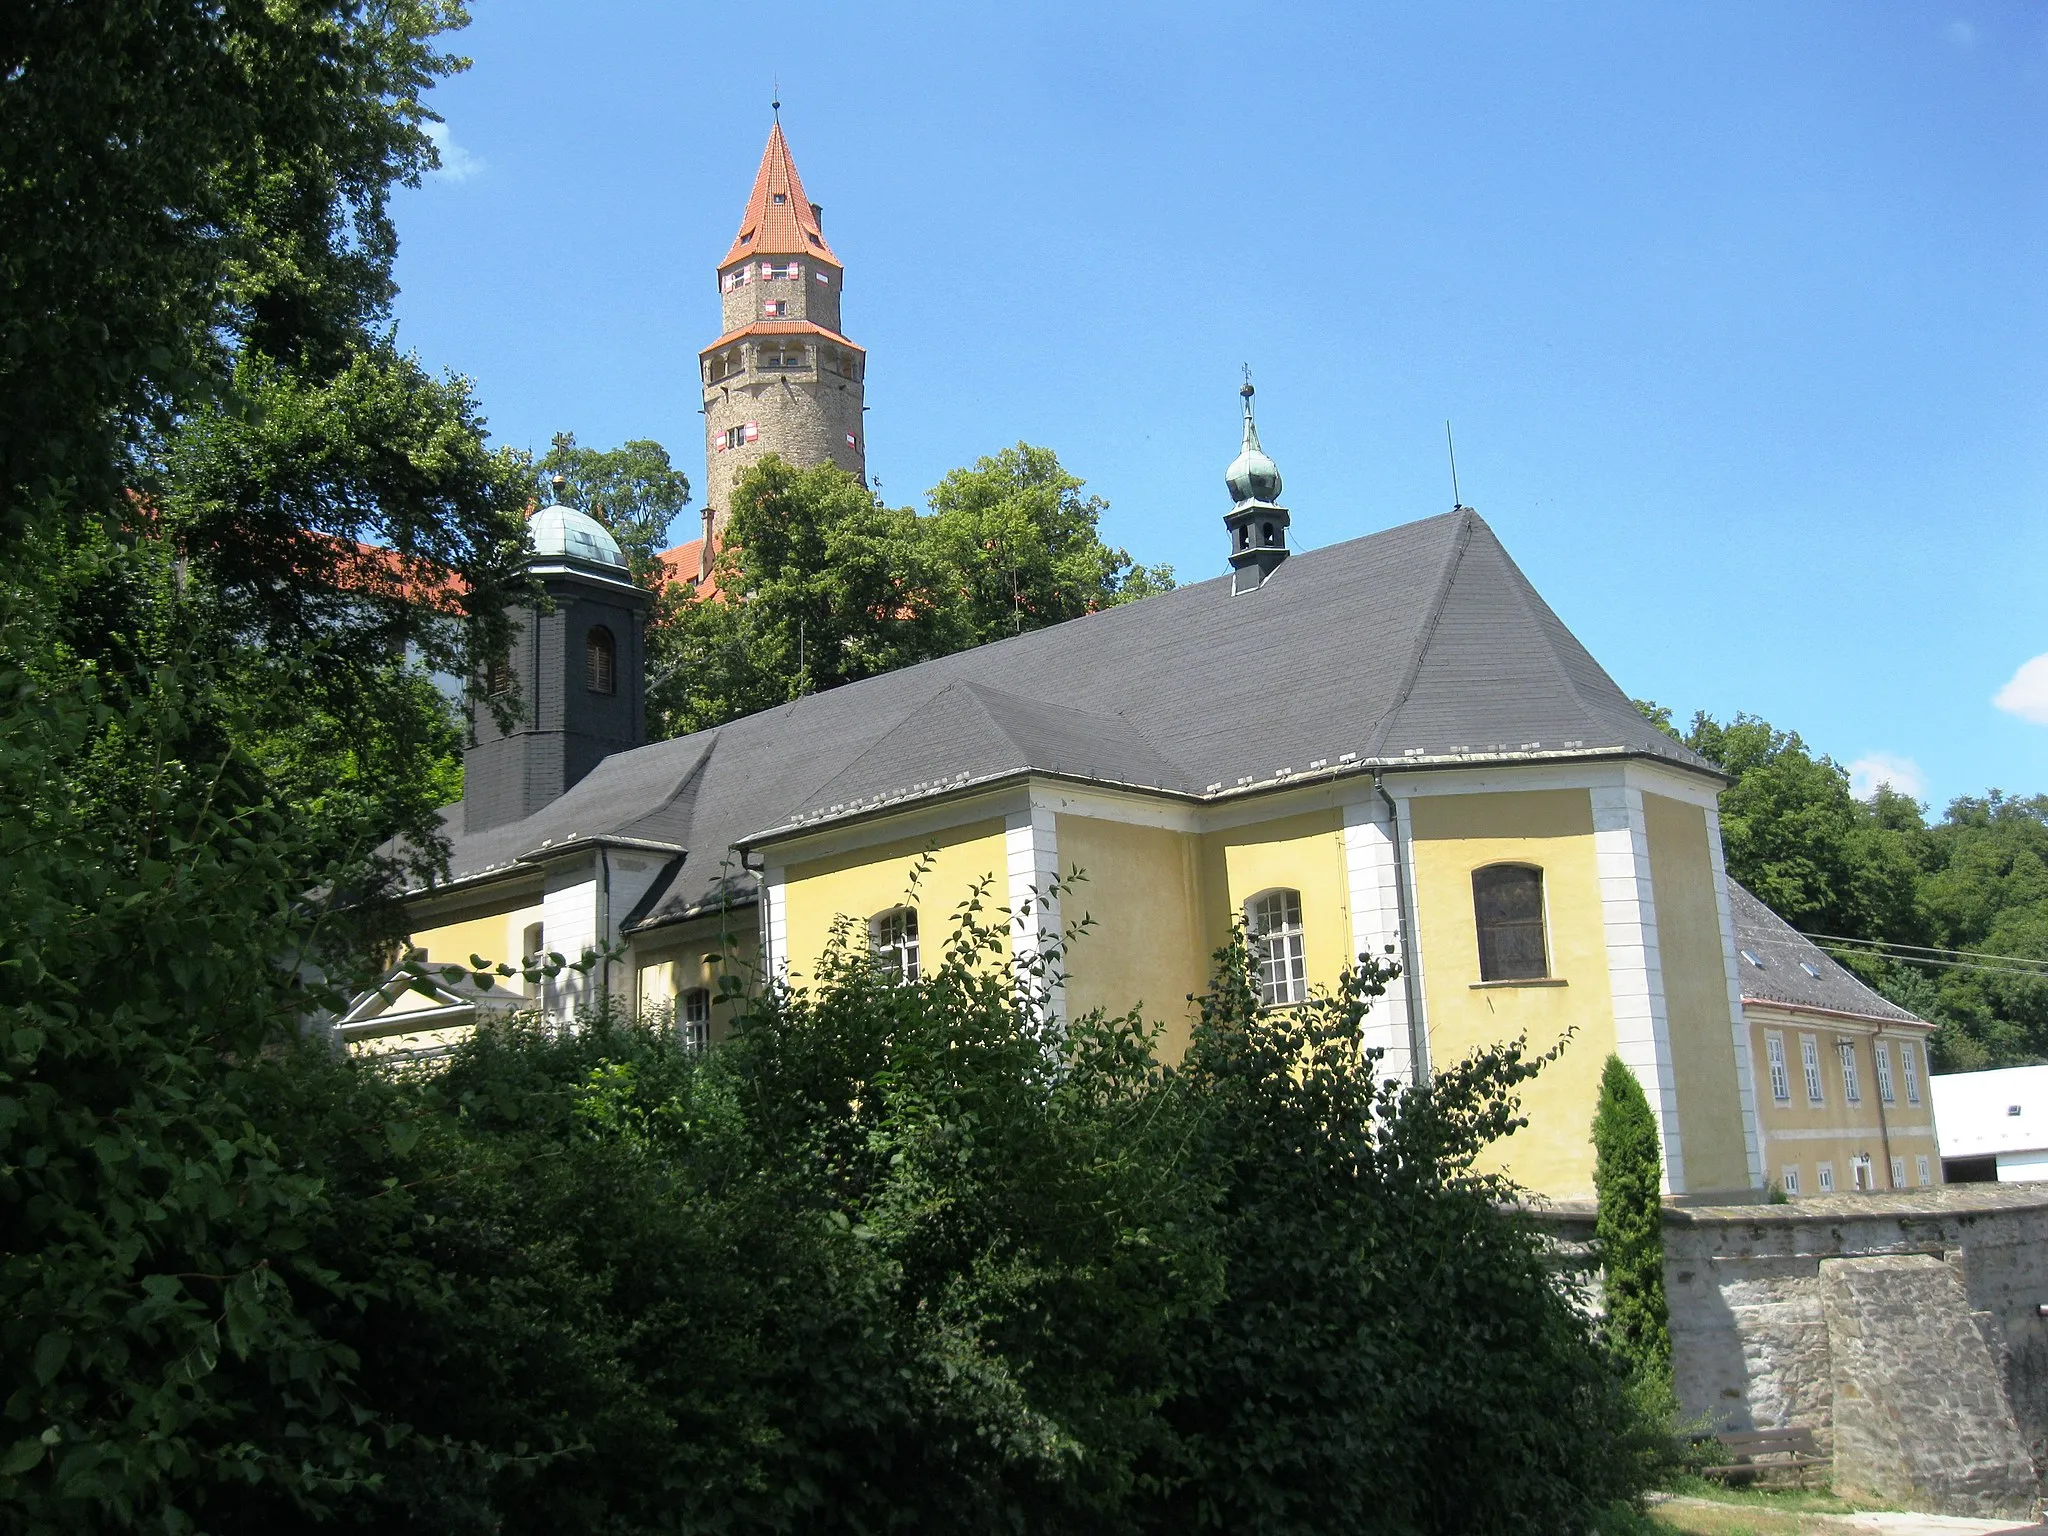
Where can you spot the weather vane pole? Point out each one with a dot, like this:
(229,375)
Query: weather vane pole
(775,99)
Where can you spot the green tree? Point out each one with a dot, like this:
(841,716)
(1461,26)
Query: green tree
(1629,1225)
(1027,546)
(634,488)
(821,584)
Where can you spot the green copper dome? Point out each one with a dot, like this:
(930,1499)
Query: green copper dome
(1252,476)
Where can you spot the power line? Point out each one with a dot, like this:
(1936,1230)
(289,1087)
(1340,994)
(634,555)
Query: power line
(1954,965)
(1927,949)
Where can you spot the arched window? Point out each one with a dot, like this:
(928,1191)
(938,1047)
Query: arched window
(498,676)
(892,935)
(601,661)
(1507,904)
(693,1017)
(1273,923)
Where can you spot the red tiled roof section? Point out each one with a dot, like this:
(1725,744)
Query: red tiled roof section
(778,221)
(782,328)
(685,563)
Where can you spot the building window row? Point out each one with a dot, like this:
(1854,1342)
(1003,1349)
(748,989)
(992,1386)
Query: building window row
(1862,1175)
(765,272)
(1852,1082)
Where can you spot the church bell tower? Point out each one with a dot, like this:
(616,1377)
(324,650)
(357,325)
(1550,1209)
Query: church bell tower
(781,378)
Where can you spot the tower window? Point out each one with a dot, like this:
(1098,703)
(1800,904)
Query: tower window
(1274,919)
(782,355)
(892,936)
(737,437)
(780,198)
(767,269)
(1507,906)
(775,309)
(600,661)
(498,676)
(736,278)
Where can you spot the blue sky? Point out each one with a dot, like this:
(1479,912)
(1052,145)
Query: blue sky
(1740,312)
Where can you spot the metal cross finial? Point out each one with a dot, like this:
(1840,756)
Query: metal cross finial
(775,105)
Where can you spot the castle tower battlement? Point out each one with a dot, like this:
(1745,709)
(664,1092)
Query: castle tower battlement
(781,378)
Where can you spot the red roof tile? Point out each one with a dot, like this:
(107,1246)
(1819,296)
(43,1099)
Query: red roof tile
(778,220)
(782,328)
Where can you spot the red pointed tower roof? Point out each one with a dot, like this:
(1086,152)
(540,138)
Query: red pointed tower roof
(778,220)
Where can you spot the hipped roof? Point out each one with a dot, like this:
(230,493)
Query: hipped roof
(1416,646)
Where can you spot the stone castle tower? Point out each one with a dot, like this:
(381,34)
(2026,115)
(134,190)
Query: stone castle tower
(780,378)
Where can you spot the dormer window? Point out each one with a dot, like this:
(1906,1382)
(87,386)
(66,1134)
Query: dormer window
(780,198)
(600,661)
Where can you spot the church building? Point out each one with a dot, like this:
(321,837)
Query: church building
(1388,746)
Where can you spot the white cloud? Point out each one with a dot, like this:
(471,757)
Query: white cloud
(457,163)
(1900,773)
(1962,34)
(2027,694)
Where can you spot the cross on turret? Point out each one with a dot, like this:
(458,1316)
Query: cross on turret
(1257,523)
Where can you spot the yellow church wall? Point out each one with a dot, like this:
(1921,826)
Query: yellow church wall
(1145,948)
(1452,836)
(1303,852)
(1695,972)
(494,932)
(863,881)
(670,961)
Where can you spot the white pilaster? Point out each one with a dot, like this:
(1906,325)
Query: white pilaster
(1745,1066)
(1031,846)
(1376,924)
(774,925)
(1642,1025)
(569,927)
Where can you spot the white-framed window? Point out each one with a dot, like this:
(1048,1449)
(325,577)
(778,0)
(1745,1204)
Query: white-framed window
(1507,907)
(1898,1173)
(1809,1058)
(892,935)
(1852,1085)
(775,309)
(693,1017)
(1788,1177)
(737,278)
(1881,1053)
(1273,919)
(1920,1167)
(1781,1080)
(1824,1177)
(767,269)
(1862,1172)
(1910,1071)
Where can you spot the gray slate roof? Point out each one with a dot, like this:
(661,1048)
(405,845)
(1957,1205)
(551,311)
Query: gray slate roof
(1418,645)
(1781,978)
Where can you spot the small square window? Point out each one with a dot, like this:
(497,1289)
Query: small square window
(775,309)
(780,198)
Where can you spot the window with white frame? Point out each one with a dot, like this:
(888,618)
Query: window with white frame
(1852,1085)
(892,935)
(1507,906)
(1881,1053)
(1273,919)
(1788,1177)
(1862,1173)
(1910,1072)
(775,309)
(1898,1173)
(1809,1058)
(1824,1178)
(1921,1168)
(1781,1080)
(693,1017)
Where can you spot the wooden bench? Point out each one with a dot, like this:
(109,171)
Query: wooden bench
(1753,1452)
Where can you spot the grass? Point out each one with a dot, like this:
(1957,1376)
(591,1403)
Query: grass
(1725,1511)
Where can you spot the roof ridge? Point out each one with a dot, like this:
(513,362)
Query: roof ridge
(1425,632)
(1538,607)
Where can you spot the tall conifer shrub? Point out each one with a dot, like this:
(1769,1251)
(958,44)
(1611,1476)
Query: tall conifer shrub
(1629,1228)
